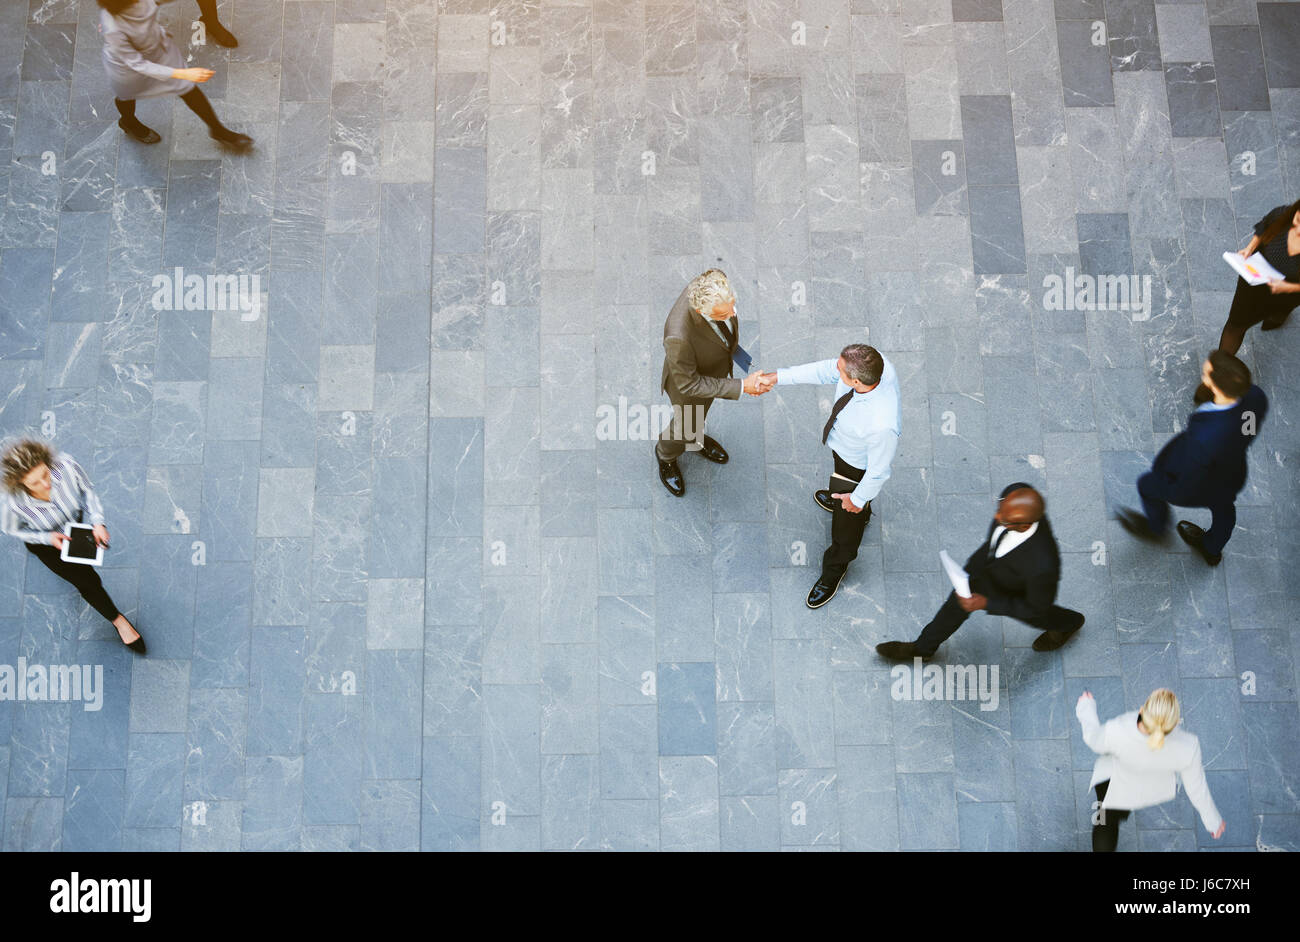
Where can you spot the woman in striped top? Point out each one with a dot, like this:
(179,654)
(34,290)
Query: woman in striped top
(45,491)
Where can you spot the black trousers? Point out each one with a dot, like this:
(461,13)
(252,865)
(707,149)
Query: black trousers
(1155,504)
(846,528)
(951,616)
(1253,304)
(1105,835)
(84,578)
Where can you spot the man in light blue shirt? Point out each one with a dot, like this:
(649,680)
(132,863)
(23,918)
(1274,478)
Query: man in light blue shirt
(862,433)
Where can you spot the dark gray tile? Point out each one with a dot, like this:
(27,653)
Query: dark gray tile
(997,234)
(1131,27)
(1194,96)
(1239,68)
(1085,67)
(1279,29)
(973,11)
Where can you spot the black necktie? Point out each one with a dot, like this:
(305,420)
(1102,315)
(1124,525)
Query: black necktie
(840,403)
(728,333)
(993,550)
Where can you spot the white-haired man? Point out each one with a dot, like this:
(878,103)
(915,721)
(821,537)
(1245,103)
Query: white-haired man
(700,340)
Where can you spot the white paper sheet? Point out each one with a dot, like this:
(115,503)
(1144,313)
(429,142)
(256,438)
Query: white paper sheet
(1255,270)
(960,580)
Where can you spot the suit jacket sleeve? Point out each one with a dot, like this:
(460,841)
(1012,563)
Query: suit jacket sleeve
(1094,734)
(1040,593)
(1198,791)
(687,378)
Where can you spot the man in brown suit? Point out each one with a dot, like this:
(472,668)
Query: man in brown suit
(700,339)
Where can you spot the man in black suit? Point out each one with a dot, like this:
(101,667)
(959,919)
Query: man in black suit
(1015,572)
(1204,466)
(700,338)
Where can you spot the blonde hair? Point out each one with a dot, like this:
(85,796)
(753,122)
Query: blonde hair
(1160,714)
(19,460)
(706,291)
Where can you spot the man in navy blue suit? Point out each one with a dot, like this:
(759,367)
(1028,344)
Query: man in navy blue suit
(1205,466)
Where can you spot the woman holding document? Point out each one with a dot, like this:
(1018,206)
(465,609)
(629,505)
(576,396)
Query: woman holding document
(45,492)
(1277,239)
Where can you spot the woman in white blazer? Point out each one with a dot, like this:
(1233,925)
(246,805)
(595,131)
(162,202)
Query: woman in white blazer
(1141,756)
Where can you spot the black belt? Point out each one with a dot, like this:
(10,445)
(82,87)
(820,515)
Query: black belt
(846,470)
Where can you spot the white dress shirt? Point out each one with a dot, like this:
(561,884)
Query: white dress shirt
(1140,777)
(1012,539)
(866,431)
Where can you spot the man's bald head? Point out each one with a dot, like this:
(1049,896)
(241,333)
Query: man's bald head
(1020,508)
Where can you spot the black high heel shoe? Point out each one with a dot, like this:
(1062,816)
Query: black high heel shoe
(137,645)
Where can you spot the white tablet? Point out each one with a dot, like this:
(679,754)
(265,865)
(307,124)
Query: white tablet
(80,547)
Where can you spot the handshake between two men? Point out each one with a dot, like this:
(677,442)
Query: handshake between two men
(701,351)
(758,382)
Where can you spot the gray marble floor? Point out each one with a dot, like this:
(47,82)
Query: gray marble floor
(400,594)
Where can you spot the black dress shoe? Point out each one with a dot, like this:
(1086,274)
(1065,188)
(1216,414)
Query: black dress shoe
(1051,640)
(230,138)
(714,452)
(1272,325)
(1136,524)
(824,501)
(671,474)
(824,590)
(220,35)
(903,651)
(1194,537)
(140,132)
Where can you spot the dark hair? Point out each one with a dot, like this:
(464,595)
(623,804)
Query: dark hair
(863,363)
(1229,374)
(116,6)
(1279,225)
